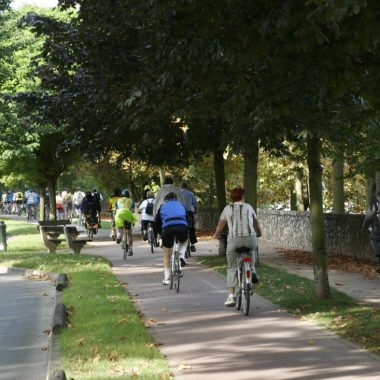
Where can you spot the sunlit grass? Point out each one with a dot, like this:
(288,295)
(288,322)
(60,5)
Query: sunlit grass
(106,336)
(341,314)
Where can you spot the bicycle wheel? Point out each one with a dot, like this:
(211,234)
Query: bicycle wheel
(172,271)
(238,291)
(245,293)
(124,244)
(151,239)
(89,231)
(177,272)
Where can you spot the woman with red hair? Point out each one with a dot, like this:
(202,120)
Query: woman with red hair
(243,230)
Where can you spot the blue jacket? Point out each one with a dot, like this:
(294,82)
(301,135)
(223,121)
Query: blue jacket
(171,213)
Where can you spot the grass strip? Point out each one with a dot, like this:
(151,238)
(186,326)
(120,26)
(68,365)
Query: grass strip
(341,314)
(106,336)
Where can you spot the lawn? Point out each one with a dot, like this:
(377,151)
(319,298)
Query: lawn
(105,336)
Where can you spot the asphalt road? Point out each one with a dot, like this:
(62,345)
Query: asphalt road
(26,314)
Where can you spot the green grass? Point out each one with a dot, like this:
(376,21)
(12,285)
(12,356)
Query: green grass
(341,314)
(106,336)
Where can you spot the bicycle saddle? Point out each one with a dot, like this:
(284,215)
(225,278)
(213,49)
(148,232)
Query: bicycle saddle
(243,250)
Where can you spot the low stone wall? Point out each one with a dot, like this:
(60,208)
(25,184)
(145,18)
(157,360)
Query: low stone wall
(344,235)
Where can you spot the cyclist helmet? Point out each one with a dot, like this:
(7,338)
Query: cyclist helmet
(125,193)
(170,195)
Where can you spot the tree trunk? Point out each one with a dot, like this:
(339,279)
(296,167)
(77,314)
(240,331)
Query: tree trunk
(251,159)
(293,198)
(162,176)
(370,189)
(41,190)
(220,181)
(52,208)
(321,280)
(298,187)
(338,183)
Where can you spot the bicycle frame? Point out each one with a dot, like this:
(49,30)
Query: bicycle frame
(244,278)
(175,268)
(124,243)
(151,238)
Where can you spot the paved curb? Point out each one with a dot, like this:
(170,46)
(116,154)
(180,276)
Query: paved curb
(59,318)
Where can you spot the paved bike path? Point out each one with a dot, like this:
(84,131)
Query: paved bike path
(26,314)
(202,339)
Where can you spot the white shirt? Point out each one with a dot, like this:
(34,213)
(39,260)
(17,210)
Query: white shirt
(142,208)
(239,217)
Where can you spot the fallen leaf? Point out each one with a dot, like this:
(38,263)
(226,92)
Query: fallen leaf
(184,366)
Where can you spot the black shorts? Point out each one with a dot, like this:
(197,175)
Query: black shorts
(144,224)
(127,225)
(180,231)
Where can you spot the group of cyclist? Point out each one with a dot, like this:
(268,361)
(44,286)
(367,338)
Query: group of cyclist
(170,212)
(14,202)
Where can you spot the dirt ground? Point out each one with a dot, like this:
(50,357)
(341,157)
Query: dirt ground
(342,263)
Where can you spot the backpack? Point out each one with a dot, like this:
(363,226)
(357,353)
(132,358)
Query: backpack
(149,208)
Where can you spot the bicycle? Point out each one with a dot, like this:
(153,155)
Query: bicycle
(151,237)
(32,214)
(244,278)
(91,225)
(175,267)
(126,248)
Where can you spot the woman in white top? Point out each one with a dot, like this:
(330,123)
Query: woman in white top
(243,230)
(146,209)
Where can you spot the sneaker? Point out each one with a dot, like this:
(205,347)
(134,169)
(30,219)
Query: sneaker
(166,281)
(118,240)
(130,253)
(192,248)
(230,301)
(183,262)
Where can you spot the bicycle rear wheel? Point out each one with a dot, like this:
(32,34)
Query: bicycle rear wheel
(172,271)
(151,240)
(124,244)
(238,291)
(177,272)
(245,294)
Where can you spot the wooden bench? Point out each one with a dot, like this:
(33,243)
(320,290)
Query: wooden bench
(50,232)
(73,238)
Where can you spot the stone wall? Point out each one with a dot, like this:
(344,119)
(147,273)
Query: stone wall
(344,235)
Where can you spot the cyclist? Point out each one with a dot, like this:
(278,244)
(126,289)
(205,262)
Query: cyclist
(112,209)
(68,204)
(90,208)
(32,200)
(243,230)
(166,188)
(191,209)
(18,199)
(146,208)
(59,206)
(171,219)
(124,217)
(125,201)
(372,223)
(77,200)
